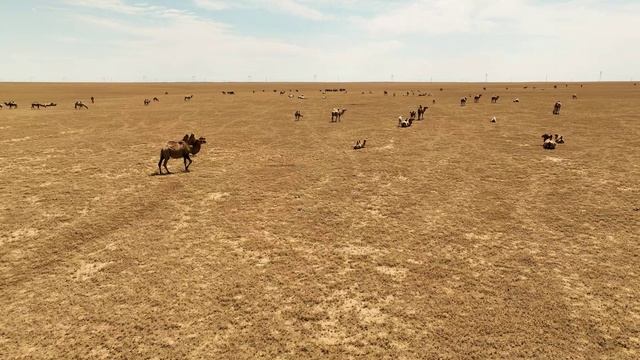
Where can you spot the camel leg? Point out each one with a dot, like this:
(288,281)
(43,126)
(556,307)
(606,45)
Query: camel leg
(165,165)
(186,166)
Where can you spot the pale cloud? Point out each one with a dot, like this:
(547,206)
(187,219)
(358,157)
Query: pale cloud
(291,7)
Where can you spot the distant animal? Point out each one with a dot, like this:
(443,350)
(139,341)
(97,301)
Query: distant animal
(166,93)
(50,104)
(546,136)
(516,100)
(412,114)
(484,88)
(558,140)
(556,108)
(147,102)
(155,99)
(463,101)
(336,114)
(92,100)
(494,99)
(385,92)
(37,106)
(549,144)
(493,119)
(80,105)
(290,96)
(476,98)
(359,145)
(231,92)
(11,104)
(301,97)
(298,115)
(434,101)
(574,97)
(187,98)
(421,111)
(404,122)
(180,149)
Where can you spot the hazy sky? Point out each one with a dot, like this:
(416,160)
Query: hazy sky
(323,40)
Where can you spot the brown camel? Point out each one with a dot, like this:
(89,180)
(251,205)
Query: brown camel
(180,149)
(494,99)
(556,108)
(476,98)
(336,114)
(298,115)
(359,145)
(147,102)
(11,104)
(421,111)
(92,100)
(155,99)
(80,105)
(463,101)
(187,98)
(37,106)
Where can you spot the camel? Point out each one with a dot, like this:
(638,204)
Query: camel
(412,114)
(301,97)
(386,93)
(11,104)
(463,101)
(180,149)
(558,140)
(50,104)
(404,122)
(188,98)
(476,98)
(298,115)
(434,101)
(147,102)
(421,111)
(92,100)
(494,99)
(359,145)
(37,105)
(516,100)
(80,105)
(549,144)
(493,119)
(155,99)
(574,97)
(336,114)
(166,93)
(556,108)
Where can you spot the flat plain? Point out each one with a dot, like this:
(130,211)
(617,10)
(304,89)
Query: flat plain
(453,238)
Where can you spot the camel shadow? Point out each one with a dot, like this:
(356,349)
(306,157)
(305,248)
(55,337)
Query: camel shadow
(155,173)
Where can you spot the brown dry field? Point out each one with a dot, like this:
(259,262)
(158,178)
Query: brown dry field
(455,238)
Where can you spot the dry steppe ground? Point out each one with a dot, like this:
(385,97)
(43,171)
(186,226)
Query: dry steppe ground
(455,238)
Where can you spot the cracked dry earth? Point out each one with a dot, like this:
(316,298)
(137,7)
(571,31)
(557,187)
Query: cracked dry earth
(454,238)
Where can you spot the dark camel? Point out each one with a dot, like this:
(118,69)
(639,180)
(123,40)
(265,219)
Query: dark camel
(298,115)
(80,105)
(359,145)
(494,99)
(180,149)
(556,108)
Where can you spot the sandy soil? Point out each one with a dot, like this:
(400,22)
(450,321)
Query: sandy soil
(455,238)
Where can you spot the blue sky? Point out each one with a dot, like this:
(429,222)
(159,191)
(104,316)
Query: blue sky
(323,40)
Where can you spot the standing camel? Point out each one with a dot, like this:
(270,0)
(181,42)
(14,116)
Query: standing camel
(187,98)
(180,149)
(556,108)
(298,115)
(476,98)
(494,99)
(336,114)
(147,102)
(463,101)
(421,111)
(11,104)
(92,100)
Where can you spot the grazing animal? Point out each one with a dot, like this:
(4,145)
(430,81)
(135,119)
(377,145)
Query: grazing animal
(516,100)
(147,102)
(493,119)
(412,114)
(80,105)
(188,98)
(11,104)
(155,99)
(494,99)
(92,100)
(574,97)
(298,115)
(359,145)
(50,104)
(556,108)
(421,111)
(180,149)
(463,101)
(336,114)
(37,105)
(476,98)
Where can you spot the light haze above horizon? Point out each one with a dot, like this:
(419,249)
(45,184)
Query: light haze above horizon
(320,40)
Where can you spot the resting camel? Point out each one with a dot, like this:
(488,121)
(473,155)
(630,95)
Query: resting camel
(298,115)
(574,97)
(37,105)
(180,149)
(80,105)
(549,144)
(493,119)
(556,108)
(301,97)
(476,98)
(494,99)
(155,99)
(11,104)
(336,114)
(421,111)
(516,100)
(147,102)
(463,101)
(187,98)
(404,122)
(359,145)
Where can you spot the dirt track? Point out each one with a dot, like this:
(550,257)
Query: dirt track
(455,238)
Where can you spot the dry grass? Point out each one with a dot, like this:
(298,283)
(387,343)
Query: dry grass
(455,238)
